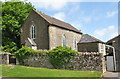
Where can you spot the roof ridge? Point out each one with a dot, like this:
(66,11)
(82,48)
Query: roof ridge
(57,22)
(93,37)
(38,12)
(114,37)
(88,38)
(53,17)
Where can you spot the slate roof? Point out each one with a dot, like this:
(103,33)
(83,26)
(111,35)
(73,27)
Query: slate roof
(89,39)
(113,39)
(58,23)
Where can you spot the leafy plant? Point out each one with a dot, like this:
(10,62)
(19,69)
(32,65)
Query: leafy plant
(25,52)
(11,47)
(13,17)
(60,56)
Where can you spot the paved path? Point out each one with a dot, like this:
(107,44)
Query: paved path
(112,74)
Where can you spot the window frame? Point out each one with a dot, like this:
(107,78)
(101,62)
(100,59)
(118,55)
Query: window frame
(74,43)
(64,43)
(33,31)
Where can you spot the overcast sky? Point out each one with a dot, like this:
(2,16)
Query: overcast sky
(99,19)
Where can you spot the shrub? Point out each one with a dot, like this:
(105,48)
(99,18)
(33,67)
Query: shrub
(25,52)
(60,56)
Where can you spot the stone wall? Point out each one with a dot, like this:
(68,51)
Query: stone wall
(56,35)
(4,58)
(38,61)
(88,61)
(41,27)
(88,47)
(82,61)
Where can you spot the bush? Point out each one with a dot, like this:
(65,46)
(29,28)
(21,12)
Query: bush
(60,56)
(25,52)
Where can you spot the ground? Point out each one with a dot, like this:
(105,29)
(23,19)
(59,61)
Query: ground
(24,71)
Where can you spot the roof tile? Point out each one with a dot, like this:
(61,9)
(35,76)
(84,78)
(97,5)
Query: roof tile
(87,39)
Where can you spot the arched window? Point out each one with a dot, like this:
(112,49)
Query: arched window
(33,32)
(64,41)
(74,43)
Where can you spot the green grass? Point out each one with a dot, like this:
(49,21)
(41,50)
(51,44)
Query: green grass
(24,71)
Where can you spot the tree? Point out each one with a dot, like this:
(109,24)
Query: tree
(13,17)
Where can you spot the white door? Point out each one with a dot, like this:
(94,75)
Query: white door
(110,63)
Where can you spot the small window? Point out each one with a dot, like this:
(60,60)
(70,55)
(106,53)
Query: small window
(102,47)
(64,41)
(74,43)
(33,32)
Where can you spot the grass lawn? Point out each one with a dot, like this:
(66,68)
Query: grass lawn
(24,71)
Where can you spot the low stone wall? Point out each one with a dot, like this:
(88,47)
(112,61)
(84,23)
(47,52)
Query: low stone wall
(88,61)
(4,58)
(38,61)
(82,61)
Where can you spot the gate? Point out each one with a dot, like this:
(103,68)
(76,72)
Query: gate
(12,59)
(111,59)
(110,63)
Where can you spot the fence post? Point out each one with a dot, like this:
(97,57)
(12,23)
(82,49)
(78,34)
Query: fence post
(7,58)
(103,62)
(17,62)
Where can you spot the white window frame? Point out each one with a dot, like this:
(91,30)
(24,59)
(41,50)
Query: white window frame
(64,43)
(102,47)
(33,31)
(75,43)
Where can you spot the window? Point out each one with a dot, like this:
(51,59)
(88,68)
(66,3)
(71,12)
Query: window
(33,32)
(102,47)
(74,43)
(64,41)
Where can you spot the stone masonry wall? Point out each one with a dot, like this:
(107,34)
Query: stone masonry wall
(82,61)
(88,61)
(41,26)
(4,58)
(38,61)
(56,37)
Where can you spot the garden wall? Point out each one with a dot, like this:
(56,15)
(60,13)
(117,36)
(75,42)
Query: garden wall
(4,58)
(38,61)
(82,61)
(88,61)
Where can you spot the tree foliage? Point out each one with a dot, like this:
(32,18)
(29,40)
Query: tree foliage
(13,17)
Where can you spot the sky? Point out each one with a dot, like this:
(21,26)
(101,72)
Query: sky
(99,19)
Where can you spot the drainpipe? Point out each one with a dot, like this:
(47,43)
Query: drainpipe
(114,56)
